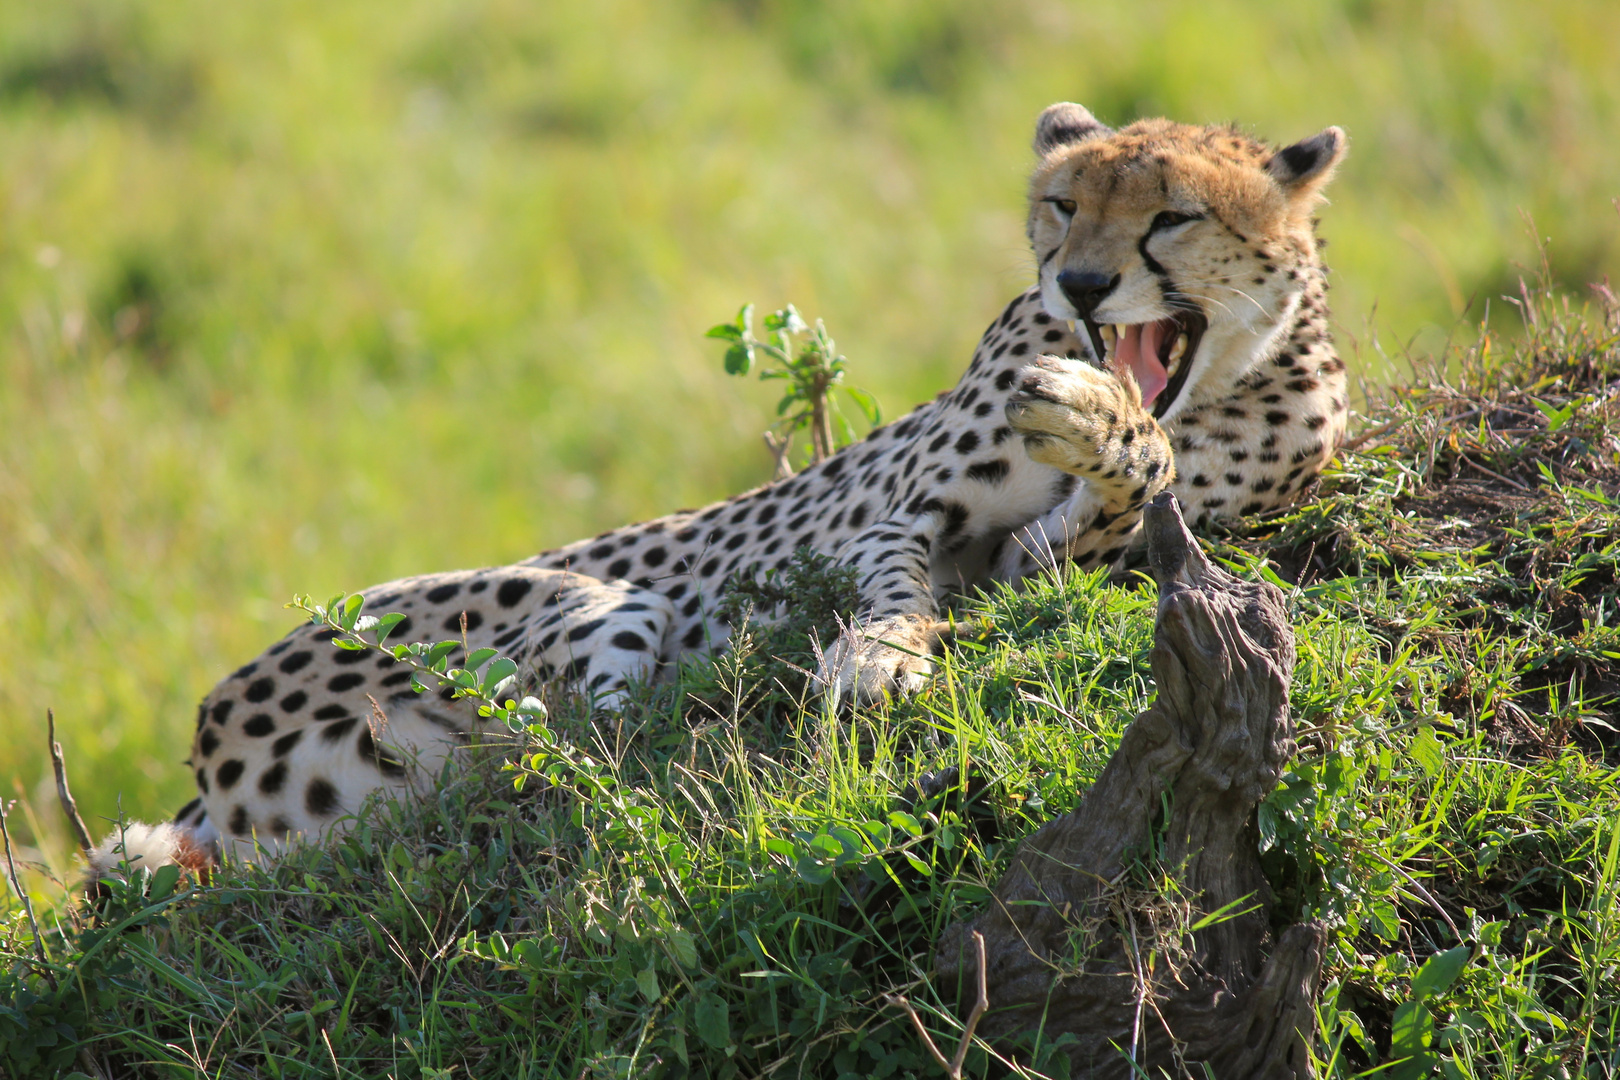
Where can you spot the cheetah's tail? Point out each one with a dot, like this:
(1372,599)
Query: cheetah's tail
(137,844)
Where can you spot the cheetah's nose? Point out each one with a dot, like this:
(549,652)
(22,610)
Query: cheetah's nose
(1086,289)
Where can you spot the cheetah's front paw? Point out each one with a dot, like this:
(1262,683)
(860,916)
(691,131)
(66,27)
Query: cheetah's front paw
(877,660)
(1090,422)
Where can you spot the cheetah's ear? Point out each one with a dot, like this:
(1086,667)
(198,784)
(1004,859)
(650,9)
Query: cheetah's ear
(1065,124)
(1305,167)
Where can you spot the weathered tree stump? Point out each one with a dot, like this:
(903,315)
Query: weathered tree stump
(1077,943)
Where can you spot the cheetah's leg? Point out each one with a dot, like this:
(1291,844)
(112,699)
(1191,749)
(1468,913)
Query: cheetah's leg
(885,649)
(1090,423)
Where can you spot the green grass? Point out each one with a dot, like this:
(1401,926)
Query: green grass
(723,883)
(299,297)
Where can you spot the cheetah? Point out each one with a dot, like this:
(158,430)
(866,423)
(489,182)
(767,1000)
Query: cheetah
(1177,336)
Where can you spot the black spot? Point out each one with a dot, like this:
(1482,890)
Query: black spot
(1276,417)
(367,746)
(1252,508)
(294,701)
(600,551)
(331,712)
(968,443)
(1315,422)
(396,678)
(453,623)
(272,779)
(691,606)
(627,639)
(259,726)
(320,797)
(187,809)
(585,629)
(1020,349)
(1004,381)
(513,590)
(280,747)
(989,472)
(335,731)
(694,637)
(228,774)
(1053,335)
(337,684)
(296,661)
(478,586)
(240,824)
(442,593)
(656,556)
(710,567)
(260,690)
(619,568)
(207,744)
(350,657)
(221,711)
(245,670)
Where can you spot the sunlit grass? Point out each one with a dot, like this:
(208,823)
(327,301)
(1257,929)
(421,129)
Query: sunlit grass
(296,297)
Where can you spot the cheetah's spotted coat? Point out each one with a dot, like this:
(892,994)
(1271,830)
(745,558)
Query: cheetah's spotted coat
(1041,451)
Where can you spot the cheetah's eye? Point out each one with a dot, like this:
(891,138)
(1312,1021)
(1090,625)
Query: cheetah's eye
(1169,219)
(1064,206)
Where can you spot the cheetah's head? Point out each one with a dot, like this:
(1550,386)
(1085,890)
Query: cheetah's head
(1184,250)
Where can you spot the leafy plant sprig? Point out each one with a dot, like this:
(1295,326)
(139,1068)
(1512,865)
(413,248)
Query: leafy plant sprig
(813,370)
(490,690)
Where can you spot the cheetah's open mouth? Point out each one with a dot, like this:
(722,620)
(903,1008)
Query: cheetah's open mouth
(1159,354)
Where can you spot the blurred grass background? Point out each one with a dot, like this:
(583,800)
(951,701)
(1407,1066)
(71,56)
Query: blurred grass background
(298,296)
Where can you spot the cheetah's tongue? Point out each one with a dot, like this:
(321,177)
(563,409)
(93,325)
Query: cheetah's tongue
(1138,351)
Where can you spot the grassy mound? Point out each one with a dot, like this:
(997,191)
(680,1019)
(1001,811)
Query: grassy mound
(727,881)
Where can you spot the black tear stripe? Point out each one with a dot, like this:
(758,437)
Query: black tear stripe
(1152,263)
(1048,256)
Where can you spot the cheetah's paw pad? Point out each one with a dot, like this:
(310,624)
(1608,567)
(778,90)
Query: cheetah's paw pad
(1069,412)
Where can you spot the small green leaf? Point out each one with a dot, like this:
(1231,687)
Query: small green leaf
(812,872)
(684,948)
(725,331)
(904,821)
(1428,753)
(350,645)
(386,624)
(712,1019)
(739,358)
(503,668)
(439,651)
(647,983)
(164,879)
(479,657)
(1386,923)
(351,611)
(1439,972)
(918,865)
(867,403)
(1412,1030)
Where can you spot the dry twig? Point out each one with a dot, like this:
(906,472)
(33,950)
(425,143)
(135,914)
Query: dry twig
(953,1067)
(63,794)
